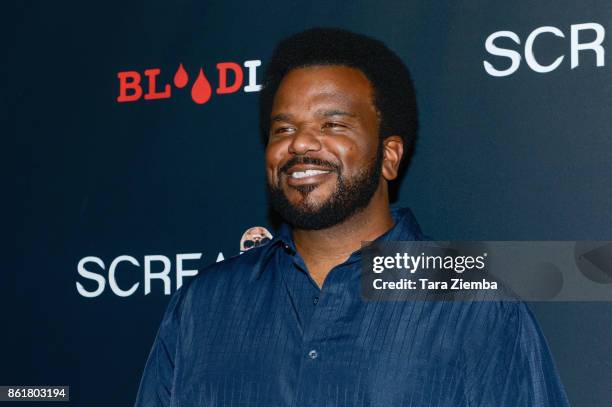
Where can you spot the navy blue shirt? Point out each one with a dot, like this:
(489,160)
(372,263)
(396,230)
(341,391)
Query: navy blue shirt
(255,330)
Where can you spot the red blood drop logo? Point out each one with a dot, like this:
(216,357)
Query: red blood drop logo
(201,91)
(180,77)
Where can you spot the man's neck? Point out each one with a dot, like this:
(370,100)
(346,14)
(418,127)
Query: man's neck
(324,249)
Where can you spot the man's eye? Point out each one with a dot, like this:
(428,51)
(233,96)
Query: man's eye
(332,125)
(283,130)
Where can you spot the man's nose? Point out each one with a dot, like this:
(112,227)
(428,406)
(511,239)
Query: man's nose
(304,140)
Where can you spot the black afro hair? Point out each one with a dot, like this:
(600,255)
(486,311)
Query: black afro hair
(394,95)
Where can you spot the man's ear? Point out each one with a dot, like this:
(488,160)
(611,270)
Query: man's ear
(393,150)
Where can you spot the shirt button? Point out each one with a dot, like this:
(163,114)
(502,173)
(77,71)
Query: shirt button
(315,300)
(313,354)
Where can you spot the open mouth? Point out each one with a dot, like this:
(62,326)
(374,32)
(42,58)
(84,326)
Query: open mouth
(307,173)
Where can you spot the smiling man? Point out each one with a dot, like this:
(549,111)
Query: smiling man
(284,324)
(325,161)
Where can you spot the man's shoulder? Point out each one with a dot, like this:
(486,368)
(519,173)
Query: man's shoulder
(221,281)
(495,321)
(233,271)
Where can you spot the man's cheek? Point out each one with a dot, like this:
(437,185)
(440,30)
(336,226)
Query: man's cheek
(272,176)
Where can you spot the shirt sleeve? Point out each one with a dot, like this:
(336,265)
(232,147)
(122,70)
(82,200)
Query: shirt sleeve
(511,365)
(157,382)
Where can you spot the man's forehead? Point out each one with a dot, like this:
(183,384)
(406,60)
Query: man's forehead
(324,91)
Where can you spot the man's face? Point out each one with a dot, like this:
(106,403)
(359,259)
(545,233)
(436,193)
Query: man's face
(324,154)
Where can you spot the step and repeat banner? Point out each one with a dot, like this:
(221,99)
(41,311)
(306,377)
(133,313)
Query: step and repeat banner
(139,160)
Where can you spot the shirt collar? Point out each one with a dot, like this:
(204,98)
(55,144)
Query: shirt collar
(405,228)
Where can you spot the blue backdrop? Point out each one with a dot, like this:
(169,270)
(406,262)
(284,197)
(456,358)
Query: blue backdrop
(514,144)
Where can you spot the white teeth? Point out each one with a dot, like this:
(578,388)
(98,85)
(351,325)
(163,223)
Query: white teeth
(307,173)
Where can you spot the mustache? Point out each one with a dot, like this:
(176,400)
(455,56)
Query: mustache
(308,160)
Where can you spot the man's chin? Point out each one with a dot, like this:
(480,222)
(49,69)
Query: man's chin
(314,210)
(307,200)
(304,190)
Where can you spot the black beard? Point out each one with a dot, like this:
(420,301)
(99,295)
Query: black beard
(351,196)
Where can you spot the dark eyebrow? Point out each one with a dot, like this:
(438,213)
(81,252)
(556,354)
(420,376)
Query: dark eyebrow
(281,117)
(334,112)
(285,117)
